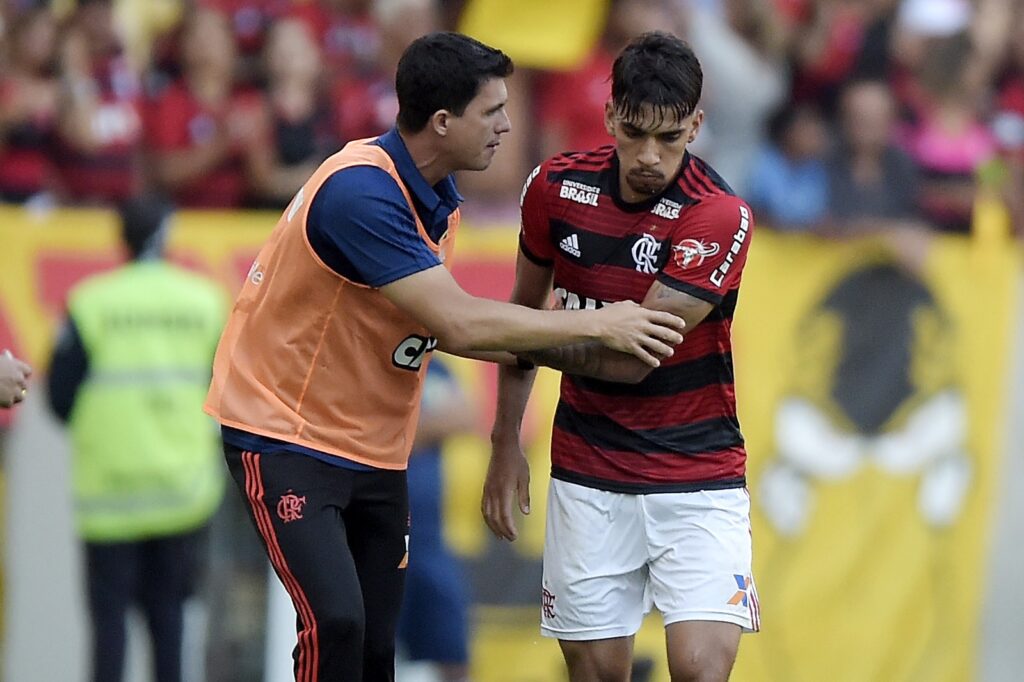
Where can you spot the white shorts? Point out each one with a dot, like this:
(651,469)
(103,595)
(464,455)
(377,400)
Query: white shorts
(608,557)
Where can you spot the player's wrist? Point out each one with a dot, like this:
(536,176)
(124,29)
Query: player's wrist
(503,437)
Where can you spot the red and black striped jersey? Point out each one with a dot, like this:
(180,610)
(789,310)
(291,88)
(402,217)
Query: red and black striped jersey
(677,430)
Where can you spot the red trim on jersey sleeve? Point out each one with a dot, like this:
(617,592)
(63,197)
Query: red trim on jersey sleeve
(709,247)
(535,233)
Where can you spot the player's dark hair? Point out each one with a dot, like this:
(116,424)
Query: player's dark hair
(656,69)
(142,218)
(443,71)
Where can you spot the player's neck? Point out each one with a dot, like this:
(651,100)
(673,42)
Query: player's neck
(631,196)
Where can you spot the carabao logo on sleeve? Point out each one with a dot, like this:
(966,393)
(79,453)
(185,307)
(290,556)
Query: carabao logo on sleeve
(526,185)
(739,237)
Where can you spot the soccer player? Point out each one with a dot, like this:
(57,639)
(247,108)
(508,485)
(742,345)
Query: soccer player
(647,499)
(318,374)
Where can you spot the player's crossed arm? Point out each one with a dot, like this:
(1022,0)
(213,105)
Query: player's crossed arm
(599,362)
(691,309)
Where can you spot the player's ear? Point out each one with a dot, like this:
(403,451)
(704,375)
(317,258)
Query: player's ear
(698,119)
(609,117)
(439,122)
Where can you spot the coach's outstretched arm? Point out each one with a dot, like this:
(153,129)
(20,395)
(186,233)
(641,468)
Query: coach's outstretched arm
(464,323)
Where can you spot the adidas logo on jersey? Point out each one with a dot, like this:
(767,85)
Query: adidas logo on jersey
(578,192)
(571,245)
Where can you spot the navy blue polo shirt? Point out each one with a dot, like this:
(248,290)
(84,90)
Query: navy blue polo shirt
(360,225)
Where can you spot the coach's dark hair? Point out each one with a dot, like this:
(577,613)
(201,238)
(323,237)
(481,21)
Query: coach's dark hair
(656,68)
(443,71)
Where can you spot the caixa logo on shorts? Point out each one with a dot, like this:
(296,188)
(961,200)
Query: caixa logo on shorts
(410,352)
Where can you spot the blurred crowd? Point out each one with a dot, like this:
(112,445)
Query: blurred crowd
(841,116)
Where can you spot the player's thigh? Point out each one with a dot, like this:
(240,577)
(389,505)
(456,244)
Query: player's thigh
(594,564)
(701,651)
(600,660)
(700,548)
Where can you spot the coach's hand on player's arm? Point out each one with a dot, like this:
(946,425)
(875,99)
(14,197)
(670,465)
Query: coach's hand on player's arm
(609,364)
(507,485)
(660,297)
(14,376)
(645,333)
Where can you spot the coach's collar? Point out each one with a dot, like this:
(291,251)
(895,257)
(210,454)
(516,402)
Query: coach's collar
(444,193)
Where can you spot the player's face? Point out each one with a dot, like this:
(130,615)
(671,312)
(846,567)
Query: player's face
(650,148)
(475,136)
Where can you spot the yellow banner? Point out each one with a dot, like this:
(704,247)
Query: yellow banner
(872,398)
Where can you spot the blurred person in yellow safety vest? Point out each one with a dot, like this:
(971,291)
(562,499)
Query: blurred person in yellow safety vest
(128,375)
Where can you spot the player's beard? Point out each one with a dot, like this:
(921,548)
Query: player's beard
(646,184)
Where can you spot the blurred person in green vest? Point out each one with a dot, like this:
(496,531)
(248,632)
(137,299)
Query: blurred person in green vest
(128,375)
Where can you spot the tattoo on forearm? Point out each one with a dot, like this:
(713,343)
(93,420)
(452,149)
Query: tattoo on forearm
(665,292)
(579,358)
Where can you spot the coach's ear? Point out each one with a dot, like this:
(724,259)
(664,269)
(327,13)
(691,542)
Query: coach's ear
(439,121)
(609,117)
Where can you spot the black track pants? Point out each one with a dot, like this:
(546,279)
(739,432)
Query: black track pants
(337,539)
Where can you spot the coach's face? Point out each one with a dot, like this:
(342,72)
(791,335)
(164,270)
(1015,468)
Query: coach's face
(473,137)
(650,148)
